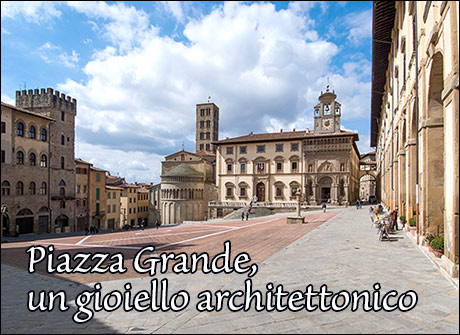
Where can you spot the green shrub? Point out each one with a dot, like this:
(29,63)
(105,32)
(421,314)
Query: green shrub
(438,243)
(429,238)
(413,221)
(402,218)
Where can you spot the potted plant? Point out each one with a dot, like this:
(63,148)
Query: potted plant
(428,239)
(403,220)
(438,246)
(413,225)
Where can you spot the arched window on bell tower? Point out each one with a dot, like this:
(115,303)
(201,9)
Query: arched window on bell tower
(327,113)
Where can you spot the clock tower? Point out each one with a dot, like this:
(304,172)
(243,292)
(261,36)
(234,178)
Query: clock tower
(327,113)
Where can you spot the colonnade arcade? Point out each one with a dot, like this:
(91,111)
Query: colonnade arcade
(333,189)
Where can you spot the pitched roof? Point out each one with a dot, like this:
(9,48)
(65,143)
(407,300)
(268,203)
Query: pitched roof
(115,181)
(113,187)
(205,153)
(81,161)
(178,152)
(182,170)
(286,136)
(97,169)
(27,111)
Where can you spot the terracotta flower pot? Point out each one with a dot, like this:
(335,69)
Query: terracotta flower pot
(412,230)
(430,248)
(438,253)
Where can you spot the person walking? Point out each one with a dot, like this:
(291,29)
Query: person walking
(394,219)
(242,215)
(323,206)
(357,204)
(247,215)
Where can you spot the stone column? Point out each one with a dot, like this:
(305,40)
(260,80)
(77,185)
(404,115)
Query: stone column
(315,192)
(334,194)
(347,194)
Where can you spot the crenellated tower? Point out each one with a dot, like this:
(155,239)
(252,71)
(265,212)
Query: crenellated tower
(62,109)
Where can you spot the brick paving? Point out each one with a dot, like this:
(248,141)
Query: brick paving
(260,237)
(343,252)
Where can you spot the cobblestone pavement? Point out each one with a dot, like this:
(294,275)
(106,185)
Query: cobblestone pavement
(344,253)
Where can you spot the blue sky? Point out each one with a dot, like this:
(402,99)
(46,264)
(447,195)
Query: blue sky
(137,69)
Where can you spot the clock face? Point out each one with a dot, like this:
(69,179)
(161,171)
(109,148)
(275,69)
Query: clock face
(327,124)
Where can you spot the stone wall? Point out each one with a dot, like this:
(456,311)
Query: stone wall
(62,147)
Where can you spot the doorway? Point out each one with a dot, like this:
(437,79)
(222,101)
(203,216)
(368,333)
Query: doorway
(25,225)
(260,192)
(43,224)
(325,194)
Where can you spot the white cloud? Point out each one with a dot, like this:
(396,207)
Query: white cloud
(53,54)
(133,165)
(359,26)
(32,11)
(174,8)
(126,26)
(8,100)
(263,68)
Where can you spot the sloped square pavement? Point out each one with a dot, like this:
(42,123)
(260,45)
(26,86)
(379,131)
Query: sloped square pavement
(344,253)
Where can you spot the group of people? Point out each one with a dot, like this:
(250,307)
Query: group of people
(386,223)
(91,230)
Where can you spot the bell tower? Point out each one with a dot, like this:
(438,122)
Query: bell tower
(327,113)
(207,126)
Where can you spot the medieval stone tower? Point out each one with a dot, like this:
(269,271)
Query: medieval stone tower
(61,147)
(207,126)
(327,113)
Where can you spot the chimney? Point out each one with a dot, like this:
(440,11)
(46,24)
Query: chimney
(250,133)
(281,130)
(293,129)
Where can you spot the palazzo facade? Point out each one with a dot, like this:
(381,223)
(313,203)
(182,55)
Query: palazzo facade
(415,116)
(323,164)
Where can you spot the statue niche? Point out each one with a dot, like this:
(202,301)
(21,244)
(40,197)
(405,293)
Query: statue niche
(325,167)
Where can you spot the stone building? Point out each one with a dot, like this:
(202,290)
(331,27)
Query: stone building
(207,126)
(187,185)
(188,179)
(128,204)
(415,118)
(113,195)
(323,164)
(25,171)
(154,204)
(62,110)
(330,156)
(97,198)
(367,181)
(82,203)
(143,203)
